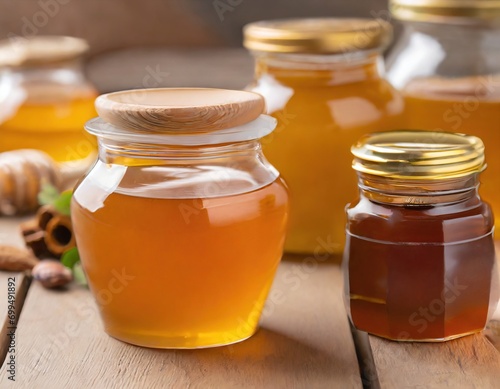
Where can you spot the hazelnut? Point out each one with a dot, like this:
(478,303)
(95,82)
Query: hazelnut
(52,274)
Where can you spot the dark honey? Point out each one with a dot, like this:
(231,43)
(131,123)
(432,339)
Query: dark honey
(420,266)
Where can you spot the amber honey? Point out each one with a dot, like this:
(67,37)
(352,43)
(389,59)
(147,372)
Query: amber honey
(198,270)
(320,114)
(469,105)
(323,81)
(45,98)
(181,223)
(51,121)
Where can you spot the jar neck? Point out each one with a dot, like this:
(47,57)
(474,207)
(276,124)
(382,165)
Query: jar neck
(121,153)
(413,193)
(64,72)
(320,69)
(446,50)
(472,29)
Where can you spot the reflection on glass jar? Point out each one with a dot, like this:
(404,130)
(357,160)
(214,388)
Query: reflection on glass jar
(181,223)
(323,80)
(447,64)
(419,261)
(44,97)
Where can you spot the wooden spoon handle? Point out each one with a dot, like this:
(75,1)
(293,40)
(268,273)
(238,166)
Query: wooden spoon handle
(72,171)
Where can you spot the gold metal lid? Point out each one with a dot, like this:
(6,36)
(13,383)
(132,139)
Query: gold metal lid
(445,10)
(40,50)
(317,35)
(418,155)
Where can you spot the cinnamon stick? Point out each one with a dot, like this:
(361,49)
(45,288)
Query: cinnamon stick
(59,235)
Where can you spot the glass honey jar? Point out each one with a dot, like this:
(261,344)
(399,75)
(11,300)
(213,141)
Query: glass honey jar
(419,261)
(45,98)
(447,65)
(181,223)
(323,79)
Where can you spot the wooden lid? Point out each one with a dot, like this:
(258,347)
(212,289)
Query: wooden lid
(172,110)
(40,50)
(9,56)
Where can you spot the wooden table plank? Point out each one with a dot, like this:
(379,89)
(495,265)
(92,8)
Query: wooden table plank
(492,331)
(304,342)
(9,235)
(468,362)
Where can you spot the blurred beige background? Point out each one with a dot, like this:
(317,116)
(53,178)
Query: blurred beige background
(113,24)
(165,39)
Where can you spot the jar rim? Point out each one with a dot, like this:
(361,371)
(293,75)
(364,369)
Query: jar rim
(445,10)
(418,155)
(256,129)
(40,50)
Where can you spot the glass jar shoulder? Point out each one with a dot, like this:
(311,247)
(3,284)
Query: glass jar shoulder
(445,223)
(426,51)
(173,182)
(49,105)
(296,95)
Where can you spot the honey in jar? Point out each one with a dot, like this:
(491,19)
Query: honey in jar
(419,262)
(323,80)
(45,99)
(447,65)
(181,223)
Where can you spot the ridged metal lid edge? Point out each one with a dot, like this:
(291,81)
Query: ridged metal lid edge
(418,155)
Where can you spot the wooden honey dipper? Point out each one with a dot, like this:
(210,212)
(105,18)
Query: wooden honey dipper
(23,172)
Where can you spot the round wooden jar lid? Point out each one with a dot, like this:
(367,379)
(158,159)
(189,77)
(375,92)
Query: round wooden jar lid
(40,50)
(171,110)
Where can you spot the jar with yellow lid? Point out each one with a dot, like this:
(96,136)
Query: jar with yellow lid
(419,262)
(181,223)
(447,65)
(45,98)
(323,79)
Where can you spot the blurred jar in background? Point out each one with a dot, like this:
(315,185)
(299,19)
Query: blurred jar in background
(323,80)
(44,97)
(447,65)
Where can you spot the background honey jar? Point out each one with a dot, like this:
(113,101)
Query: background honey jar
(45,98)
(447,65)
(323,80)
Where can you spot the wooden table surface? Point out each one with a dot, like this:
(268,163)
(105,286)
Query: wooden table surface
(305,340)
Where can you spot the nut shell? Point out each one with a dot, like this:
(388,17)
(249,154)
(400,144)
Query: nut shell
(52,274)
(16,259)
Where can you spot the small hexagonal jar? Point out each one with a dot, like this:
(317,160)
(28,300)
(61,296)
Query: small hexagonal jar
(419,262)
